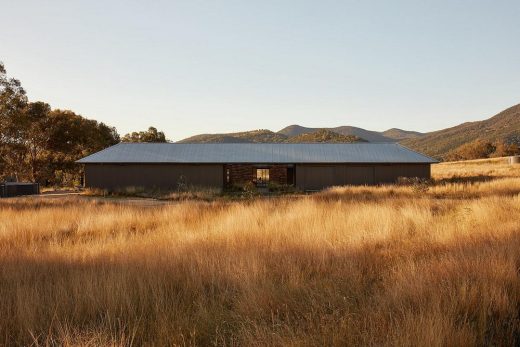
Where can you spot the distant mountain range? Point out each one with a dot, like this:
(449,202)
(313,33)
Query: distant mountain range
(268,136)
(504,127)
(371,136)
(294,133)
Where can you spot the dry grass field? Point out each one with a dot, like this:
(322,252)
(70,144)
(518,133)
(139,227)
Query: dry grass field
(375,266)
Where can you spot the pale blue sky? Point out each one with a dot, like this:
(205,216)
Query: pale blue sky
(191,67)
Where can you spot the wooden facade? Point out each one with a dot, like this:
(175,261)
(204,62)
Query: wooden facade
(317,177)
(306,177)
(159,176)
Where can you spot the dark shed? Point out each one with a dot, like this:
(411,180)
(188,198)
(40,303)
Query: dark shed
(307,166)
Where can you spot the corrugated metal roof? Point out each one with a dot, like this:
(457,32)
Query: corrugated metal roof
(256,153)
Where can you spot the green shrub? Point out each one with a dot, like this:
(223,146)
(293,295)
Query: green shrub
(250,189)
(281,188)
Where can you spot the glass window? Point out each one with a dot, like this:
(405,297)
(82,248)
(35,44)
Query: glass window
(262,175)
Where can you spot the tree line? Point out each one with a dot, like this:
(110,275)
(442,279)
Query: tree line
(480,149)
(41,144)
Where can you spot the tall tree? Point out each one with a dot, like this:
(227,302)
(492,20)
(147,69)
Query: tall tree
(13,101)
(40,144)
(72,137)
(151,135)
(34,125)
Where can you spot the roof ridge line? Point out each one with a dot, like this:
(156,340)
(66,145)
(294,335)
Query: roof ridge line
(386,152)
(256,143)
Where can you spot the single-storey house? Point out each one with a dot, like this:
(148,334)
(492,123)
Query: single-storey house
(307,166)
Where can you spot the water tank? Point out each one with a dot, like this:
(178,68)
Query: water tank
(9,189)
(514,159)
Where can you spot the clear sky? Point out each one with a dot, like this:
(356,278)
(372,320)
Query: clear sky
(190,67)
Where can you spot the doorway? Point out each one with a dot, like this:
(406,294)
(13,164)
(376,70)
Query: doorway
(290,176)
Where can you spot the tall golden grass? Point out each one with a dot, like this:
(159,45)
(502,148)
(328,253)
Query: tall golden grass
(348,266)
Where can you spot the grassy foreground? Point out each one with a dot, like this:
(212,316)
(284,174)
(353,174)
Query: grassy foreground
(349,266)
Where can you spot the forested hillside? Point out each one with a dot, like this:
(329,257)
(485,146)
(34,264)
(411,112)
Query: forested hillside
(324,136)
(268,136)
(494,137)
(473,140)
(253,136)
(371,136)
(400,134)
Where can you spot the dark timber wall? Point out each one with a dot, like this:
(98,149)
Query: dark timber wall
(161,176)
(316,177)
(307,176)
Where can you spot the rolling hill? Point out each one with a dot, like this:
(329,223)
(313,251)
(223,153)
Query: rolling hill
(399,134)
(253,136)
(504,127)
(267,136)
(370,136)
(324,136)
(298,133)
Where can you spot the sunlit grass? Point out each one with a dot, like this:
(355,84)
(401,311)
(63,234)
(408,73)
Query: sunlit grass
(348,266)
